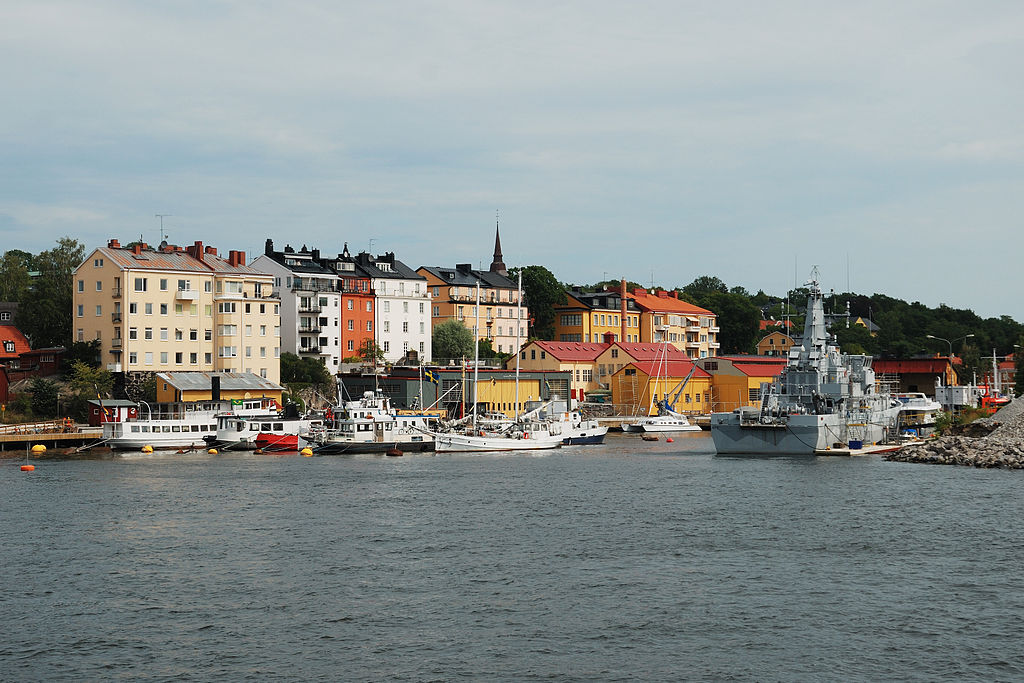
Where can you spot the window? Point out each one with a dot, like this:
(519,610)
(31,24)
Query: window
(405,307)
(208,286)
(263,330)
(163,309)
(163,284)
(99,286)
(149,357)
(140,284)
(233,287)
(228,352)
(387,326)
(81,311)
(405,327)
(227,330)
(351,324)
(81,332)
(386,348)
(147,333)
(163,334)
(163,358)
(350,304)
(351,345)
(81,285)
(387,306)
(193,358)
(179,335)
(369,326)
(369,306)
(179,309)
(133,333)
(98,262)
(133,358)
(184,285)
(193,335)
(207,335)
(248,330)
(226,307)
(149,309)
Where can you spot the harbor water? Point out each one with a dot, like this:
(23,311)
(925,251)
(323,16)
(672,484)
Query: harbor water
(629,561)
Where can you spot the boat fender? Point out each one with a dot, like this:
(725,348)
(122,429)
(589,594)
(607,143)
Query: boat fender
(526,435)
(481,432)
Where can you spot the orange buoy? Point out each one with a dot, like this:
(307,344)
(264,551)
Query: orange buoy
(28,468)
(668,440)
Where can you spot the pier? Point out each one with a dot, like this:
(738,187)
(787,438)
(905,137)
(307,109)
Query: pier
(18,438)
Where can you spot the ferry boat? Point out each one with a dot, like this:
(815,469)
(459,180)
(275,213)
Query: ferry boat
(822,400)
(371,425)
(274,431)
(177,425)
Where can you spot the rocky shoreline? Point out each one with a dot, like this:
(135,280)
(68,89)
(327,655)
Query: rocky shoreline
(996,441)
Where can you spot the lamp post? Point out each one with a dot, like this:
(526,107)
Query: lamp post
(966,336)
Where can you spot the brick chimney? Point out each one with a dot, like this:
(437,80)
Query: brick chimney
(195,251)
(113,244)
(212,251)
(137,248)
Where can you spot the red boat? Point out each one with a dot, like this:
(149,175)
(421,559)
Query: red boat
(271,441)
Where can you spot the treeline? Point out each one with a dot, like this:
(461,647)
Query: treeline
(903,328)
(41,284)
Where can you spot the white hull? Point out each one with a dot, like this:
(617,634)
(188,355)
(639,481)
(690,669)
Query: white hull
(466,443)
(799,435)
(663,424)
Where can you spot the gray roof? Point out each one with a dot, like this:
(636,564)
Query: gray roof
(467,277)
(229,381)
(113,403)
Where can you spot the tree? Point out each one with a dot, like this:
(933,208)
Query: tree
(739,320)
(371,352)
(701,288)
(451,339)
(86,352)
(295,370)
(86,383)
(44,397)
(542,292)
(14,277)
(45,316)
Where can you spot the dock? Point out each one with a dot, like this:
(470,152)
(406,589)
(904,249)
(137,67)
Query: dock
(873,449)
(615,423)
(16,439)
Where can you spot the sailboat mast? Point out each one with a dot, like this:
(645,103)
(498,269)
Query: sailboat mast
(476,354)
(519,308)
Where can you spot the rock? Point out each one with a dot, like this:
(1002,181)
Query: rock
(992,442)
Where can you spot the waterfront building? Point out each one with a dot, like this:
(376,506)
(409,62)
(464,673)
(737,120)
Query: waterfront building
(665,317)
(775,344)
(589,316)
(902,375)
(173,308)
(174,387)
(311,303)
(736,380)
(401,310)
(639,385)
(453,297)
(358,307)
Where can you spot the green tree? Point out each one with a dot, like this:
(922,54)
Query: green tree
(86,352)
(14,277)
(44,397)
(296,370)
(85,383)
(371,352)
(451,339)
(542,292)
(739,320)
(45,316)
(701,288)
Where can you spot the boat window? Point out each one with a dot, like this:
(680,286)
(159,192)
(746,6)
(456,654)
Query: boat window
(166,430)
(241,427)
(135,428)
(265,427)
(145,428)
(253,427)
(388,426)
(278,427)
(364,428)
(175,428)
(195,428)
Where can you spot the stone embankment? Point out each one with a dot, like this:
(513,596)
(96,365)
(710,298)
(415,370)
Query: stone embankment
(996,441)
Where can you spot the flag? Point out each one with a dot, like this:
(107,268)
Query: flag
(430,376)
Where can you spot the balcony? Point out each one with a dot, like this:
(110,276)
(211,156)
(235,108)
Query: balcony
(115,317)
(313,350)
(693,344)
(116,292)
(714,345)
(309,329)
(115,343)
(309,308)
(693,328)
(714,330)
(186,295)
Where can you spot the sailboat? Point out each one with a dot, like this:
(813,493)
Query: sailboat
(520,435)
(667,419)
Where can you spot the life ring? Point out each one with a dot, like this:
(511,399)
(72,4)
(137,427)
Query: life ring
(481,432)
(526,435)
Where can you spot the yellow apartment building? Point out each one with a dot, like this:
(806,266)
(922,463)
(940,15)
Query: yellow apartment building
(665,317)
(591,316)
(775,344)
(177,309)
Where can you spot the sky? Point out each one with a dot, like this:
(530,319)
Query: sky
(656,141)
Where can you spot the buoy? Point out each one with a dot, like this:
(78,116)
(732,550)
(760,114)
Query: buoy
(258,451)
(306,452)
(28,468)
(212,451)
(668,439)
(147,449)
(394,453)
(39,449)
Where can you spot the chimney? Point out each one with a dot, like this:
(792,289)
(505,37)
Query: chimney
(137,248)
(269,248)
(315,254)
(211,250)
(214,387)
(114,244)
(675,293)
(622,309)
(662,294)
(464,268)
(609,338)
(196,251)
(639,291)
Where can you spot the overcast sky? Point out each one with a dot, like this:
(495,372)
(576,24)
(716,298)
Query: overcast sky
(658,141)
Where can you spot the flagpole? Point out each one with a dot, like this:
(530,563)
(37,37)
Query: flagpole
(476,354)
(519,318)
(421,386)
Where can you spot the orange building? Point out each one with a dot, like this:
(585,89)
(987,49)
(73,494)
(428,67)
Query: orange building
(665,317)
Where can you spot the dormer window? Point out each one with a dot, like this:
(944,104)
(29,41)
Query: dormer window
(9,346)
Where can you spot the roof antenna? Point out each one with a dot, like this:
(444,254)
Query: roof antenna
(161,216)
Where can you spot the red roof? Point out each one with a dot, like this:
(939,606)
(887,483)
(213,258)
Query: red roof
(933,366)
(572,351)
(648,351)
(10,333)
(761,369)
(785,324)
(673,369)
(663,301)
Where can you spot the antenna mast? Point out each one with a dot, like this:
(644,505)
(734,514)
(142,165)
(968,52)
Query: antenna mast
(161,216)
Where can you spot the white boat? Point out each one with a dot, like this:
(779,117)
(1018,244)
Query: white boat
(577,430)
(249,432)
(823,400)
(666,421)
(177,425)
(917,412)
(529,436)
(371,425)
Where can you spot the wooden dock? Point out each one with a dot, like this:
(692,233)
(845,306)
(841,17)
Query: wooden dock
(17,439)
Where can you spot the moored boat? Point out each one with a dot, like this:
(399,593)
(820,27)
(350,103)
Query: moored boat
(177,425)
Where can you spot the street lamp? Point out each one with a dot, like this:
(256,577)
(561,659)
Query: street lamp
(932,336)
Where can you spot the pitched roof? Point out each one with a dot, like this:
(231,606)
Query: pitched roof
(229,381)
(672,369)
(903,366)
(784,324)
(663,301)
(573,351)
(182,261)
(11,334)
(761,369)
(468,277)
(643,351)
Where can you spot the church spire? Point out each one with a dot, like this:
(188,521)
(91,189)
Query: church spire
(497,265)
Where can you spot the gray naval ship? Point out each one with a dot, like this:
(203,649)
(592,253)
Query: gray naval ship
(823,400)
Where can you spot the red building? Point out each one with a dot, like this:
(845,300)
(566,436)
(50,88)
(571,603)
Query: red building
(357,302)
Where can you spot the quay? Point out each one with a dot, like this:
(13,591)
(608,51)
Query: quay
(53,434)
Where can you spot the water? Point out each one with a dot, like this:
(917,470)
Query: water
(633,560)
